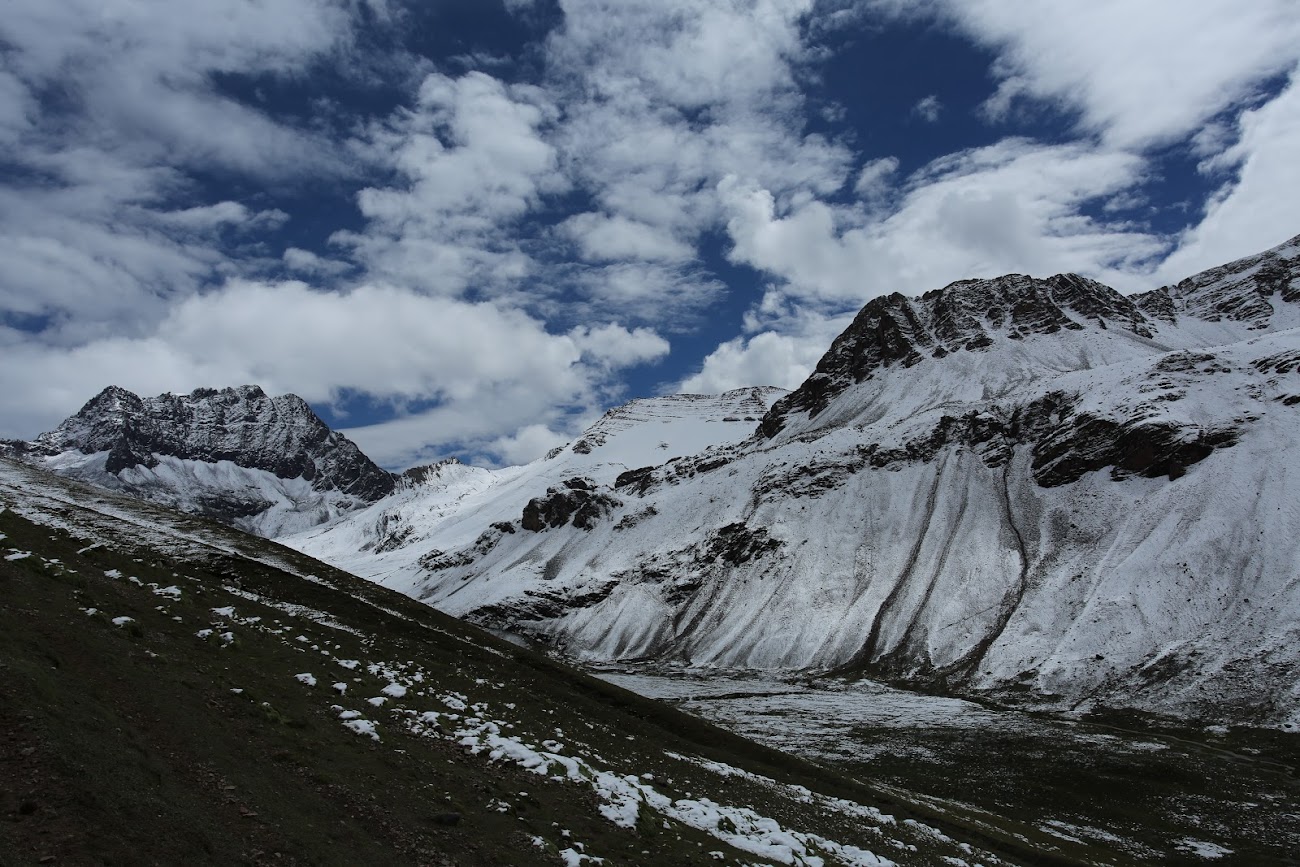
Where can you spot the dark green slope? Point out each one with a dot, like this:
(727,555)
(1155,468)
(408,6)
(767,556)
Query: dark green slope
(185,734)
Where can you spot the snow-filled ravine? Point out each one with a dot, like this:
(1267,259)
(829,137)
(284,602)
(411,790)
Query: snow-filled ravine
(1217,795)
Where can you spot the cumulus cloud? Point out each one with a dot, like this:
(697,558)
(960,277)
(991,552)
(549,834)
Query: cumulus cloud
(604,238)
(526,444)
(1258,207)
(471,159)
(875,177)
(928,109)
(141,73)
(1010,207)
(663,99)
(520,237)
(106,109)
(1136,75)
(616,346)
(308,263)
(768,358)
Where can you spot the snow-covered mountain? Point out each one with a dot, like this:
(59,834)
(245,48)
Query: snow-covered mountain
(450,507)
(268,465)
(1014,487)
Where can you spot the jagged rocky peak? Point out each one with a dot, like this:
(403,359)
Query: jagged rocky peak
(966,316)
(427,473)
(1248,290)
(243,425)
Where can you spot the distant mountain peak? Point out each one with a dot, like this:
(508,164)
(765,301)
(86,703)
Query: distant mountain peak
(962,317)
(125,439)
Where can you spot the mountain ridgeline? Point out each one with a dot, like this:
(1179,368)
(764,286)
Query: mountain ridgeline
(1031,490)
(264,464)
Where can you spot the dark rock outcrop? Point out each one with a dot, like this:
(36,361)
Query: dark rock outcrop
(1246,290)
(576,501)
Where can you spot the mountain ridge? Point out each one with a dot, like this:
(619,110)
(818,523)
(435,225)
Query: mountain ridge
(261,463)
(1016,489)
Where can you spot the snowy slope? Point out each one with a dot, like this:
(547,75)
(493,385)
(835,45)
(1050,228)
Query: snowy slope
(457,504)
(1018,487)
(264,464)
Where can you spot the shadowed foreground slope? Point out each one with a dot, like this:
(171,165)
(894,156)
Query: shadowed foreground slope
(174,691)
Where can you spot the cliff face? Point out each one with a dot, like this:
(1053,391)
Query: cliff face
(262,463)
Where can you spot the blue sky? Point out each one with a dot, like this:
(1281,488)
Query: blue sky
(467,228)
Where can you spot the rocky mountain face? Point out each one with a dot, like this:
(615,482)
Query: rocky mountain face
(265,464)
(1035,490)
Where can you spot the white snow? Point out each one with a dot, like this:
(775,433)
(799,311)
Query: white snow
(362,727)
(122,621)
(1202,849)
(306,677)
(394,690)
(292,504)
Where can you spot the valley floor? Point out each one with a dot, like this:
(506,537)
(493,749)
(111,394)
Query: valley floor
(1218,795)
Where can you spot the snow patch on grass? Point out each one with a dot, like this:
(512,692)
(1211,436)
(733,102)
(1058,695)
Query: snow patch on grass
(1202,848)
(362,727)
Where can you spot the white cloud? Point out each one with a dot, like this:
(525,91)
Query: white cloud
(526,444)
(1010,207)
(140,74)
(308,263)
(1260,207)
(663,99)
(928,109)
(768,358)
(602,238)
(472,159)
(1137,73)
(666,119)
(875,177)
(615,346)
(668,296)
(101,224)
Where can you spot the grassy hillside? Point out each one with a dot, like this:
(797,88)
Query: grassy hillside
(173,691)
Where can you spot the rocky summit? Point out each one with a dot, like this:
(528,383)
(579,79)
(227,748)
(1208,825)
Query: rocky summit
(266,464)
